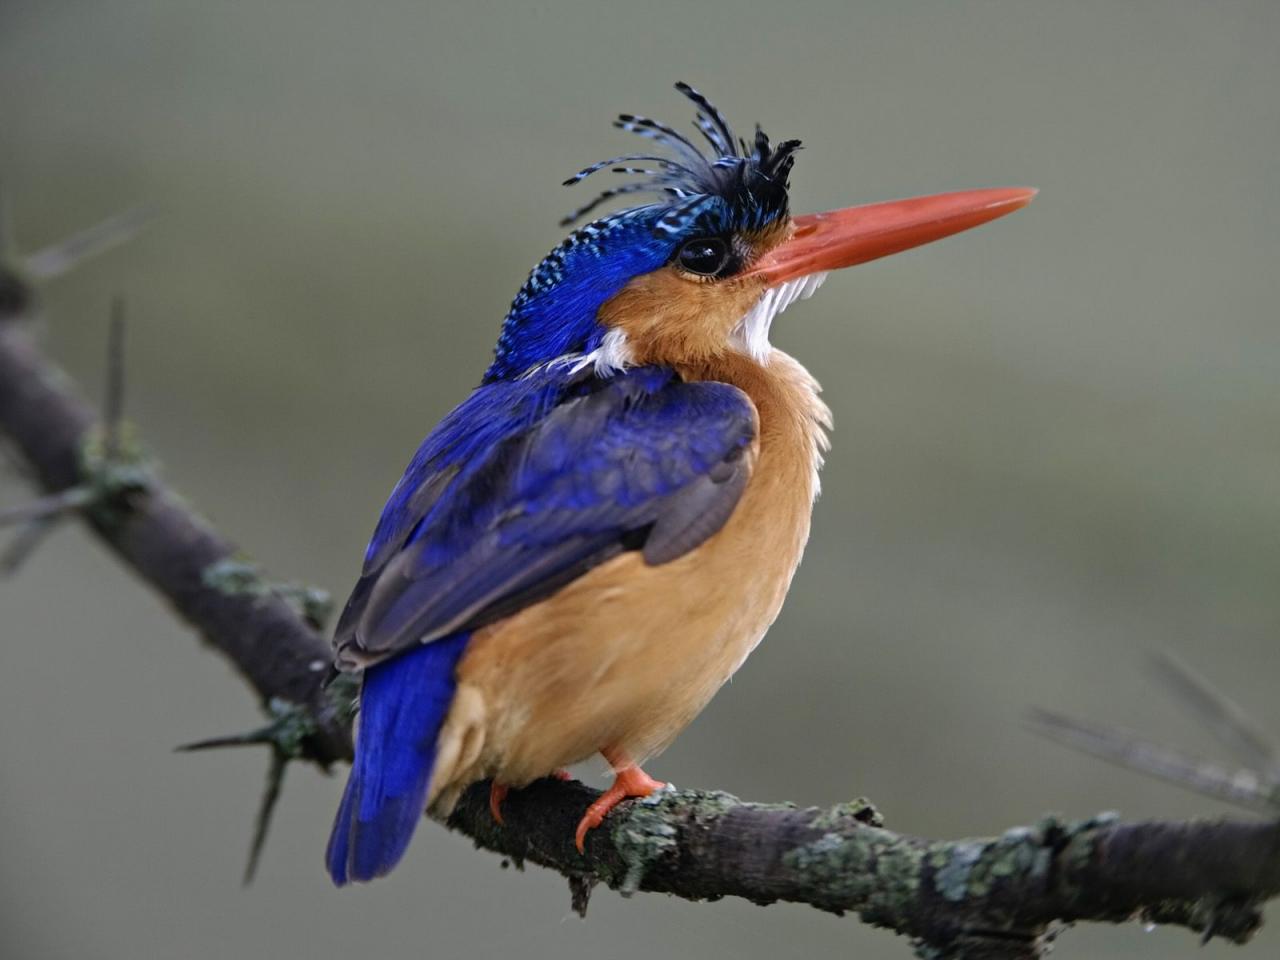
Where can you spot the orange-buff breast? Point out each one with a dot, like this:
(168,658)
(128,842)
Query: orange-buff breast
(628,654)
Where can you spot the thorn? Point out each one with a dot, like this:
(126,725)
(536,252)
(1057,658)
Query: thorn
(265,736)
(24,544)
(290,725)
(48,508)
(113,402)
(270,797)
(65,255)
(1246,788)
(285,735)
(1221,715)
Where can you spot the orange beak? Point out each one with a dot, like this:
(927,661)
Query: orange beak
(842,238)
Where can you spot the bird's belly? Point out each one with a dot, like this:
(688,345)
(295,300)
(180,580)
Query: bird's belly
(624,657)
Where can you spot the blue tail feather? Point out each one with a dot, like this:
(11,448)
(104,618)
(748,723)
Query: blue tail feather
(403,705)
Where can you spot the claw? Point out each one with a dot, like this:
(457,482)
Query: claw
(629,781)
(497,793)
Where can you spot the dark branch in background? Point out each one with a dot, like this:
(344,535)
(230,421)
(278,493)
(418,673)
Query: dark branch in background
(980,899)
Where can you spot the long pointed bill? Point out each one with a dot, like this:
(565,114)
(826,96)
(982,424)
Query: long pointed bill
(842,238)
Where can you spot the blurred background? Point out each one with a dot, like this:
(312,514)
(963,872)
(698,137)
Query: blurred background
(1057,441)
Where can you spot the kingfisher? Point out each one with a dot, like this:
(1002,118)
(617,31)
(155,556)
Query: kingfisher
(585,549)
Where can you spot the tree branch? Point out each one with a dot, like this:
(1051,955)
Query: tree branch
(1001,897)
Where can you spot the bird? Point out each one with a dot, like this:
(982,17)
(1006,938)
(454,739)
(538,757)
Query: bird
(584,550)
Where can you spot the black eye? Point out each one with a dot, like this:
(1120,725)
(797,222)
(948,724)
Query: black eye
(705,256)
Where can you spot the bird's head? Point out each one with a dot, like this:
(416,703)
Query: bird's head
(707,268)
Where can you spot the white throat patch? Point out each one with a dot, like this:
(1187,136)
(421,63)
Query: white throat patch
(751,335)
(613,355)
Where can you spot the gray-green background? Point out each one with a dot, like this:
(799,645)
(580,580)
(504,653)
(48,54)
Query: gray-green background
(1057,440)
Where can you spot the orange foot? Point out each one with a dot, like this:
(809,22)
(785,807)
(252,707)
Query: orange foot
(628,781)
(498,792)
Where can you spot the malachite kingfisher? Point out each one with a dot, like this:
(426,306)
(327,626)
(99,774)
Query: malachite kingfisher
(585,549)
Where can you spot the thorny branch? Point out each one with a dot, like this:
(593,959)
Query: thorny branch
(1001,898)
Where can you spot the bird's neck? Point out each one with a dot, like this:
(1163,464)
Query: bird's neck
(793,419)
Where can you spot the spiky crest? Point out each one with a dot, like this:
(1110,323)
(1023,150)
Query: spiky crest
(751,178)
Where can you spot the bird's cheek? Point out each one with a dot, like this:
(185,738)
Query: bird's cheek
(668,319)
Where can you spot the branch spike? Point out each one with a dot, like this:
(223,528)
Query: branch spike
(262,823)
(262,737)
(1246,788)
(48,507)
(65,255)
(1221,716)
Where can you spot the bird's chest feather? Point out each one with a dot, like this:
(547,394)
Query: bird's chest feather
(629,653)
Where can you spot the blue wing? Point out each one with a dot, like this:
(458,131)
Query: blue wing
(530,483)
